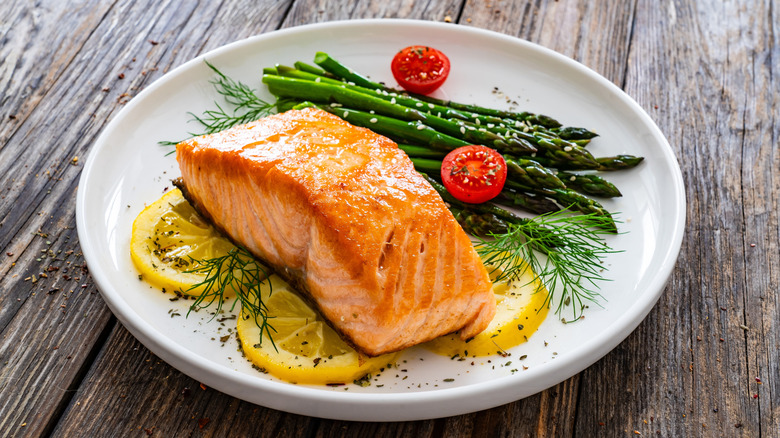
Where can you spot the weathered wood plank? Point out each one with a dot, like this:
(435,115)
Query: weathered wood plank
(318,11)
(690,368)
(132,392)
(44,303)
(574,29)
(30,66)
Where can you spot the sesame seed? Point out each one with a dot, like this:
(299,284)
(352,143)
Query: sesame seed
(317,80)
(392,100)
(431,106)
(344,116)
(419,104)
(490,125)
(478,122)
(568,148)
(420,127)
(462,130)
(374,120)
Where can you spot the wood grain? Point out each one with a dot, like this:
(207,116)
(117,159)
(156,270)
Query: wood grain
(705,362)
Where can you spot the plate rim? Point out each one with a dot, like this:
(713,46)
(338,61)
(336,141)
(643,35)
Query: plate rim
(175,354)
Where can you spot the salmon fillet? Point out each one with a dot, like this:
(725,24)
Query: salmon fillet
(341,213)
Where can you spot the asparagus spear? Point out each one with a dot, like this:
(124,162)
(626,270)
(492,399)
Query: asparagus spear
(618,162)
(421,151)
(313,69)
(529,202)
(590,184)
(323,92)
(283,70)
(531,173)
(572,133)
(478,224)
(336,68)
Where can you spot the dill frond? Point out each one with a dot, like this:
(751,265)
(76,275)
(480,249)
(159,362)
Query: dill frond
(246,107)
(564,251)
(236,272)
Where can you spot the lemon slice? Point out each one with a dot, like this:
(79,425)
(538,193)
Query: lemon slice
(167,235)
(520,309)
(305,349)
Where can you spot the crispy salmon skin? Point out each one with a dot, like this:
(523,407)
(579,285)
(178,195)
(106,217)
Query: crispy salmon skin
(341,213)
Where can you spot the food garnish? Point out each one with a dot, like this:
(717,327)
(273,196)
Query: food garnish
(420,69)
(244,103)
(474,174)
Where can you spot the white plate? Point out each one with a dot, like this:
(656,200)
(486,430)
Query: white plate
(127,169)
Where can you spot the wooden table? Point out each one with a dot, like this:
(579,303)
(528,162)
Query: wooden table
(704,362)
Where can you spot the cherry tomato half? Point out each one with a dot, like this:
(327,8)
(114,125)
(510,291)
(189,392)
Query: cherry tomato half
(420,69)
(473,174)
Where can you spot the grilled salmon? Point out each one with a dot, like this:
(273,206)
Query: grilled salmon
(341,213)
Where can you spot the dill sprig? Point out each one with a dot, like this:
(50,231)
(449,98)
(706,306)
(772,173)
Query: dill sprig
(237,272)
(247,106)
(564,251)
